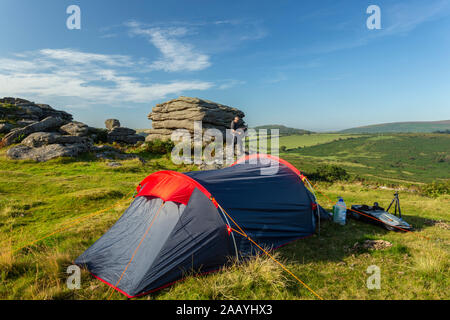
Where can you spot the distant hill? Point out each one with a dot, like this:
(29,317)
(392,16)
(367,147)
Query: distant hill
(284,131)
(415,126)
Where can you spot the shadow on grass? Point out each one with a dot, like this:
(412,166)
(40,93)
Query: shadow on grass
(333,245)
(336,242)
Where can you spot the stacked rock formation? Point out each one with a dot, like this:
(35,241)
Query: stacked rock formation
(119,134)
(26,112)
(44,133)
(180,113)
(49,138)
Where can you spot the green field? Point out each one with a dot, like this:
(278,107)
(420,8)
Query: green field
(307,140)
(394,158)
(399,127)
(37,199)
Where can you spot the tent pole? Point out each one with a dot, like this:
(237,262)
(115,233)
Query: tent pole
(232,233)
(315,200)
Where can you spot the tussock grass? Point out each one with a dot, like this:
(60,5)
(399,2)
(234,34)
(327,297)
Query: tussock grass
(38,198)
(245,280)
(430,259)
(6,256)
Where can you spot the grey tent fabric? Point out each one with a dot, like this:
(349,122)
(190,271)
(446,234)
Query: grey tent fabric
(182,238)
(199,243)
(157,242)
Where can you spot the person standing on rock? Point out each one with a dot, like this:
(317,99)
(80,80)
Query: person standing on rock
(238,133)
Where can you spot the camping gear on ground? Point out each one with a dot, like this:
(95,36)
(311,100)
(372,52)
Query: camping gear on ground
(340,211)
(396,203)
(177,224)
(378,216)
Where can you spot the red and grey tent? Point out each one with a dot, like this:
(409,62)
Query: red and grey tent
(175,223)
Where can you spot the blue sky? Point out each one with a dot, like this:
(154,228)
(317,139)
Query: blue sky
(305,64)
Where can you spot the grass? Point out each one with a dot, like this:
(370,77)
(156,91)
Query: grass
(38,198)
(426,126)
(407,269)
(307,140)
(390,159)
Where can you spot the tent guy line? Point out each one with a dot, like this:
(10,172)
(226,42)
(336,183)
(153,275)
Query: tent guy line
(192,178)
(135,251)
(245,235)
(81,219)
(281,265)
(190,233)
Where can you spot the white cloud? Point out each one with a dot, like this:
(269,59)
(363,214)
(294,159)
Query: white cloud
(69,56)
(230,83)
(398,19)
(405,17)
(91,78)
(176,56)
(175,41)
